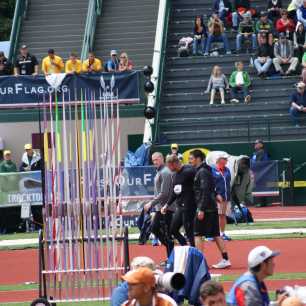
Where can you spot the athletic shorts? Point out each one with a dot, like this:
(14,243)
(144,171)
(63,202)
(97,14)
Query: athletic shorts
(224,208)
(208,227)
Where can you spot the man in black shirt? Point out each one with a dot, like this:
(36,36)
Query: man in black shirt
(26,64)
(5,65)
(264,56)
(207,219)
(185,203)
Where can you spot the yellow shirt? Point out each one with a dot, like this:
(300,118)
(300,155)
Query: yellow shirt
(97,65)
(47,67)
(73,67)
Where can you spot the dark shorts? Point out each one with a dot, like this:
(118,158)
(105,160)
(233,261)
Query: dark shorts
(209,227)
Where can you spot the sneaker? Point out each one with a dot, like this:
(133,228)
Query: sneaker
(222,102)
(228,52)
(235,101)
(155,242)
(206,54)
(211,103)
(209,239)
(225,237)
(223,264)
(247,99)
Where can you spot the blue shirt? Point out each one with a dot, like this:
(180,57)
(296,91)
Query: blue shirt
(298,98)
(223,183)
(112,65)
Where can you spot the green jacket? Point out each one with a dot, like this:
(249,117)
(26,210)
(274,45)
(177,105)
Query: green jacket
(246,79)
(7,166)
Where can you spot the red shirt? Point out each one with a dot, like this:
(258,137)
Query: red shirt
(281,27)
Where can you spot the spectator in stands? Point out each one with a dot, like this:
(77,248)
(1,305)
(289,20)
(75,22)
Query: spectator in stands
(30,160)
(52,63)
(175,150)
(264,27)
(274,9)
(293,7)
(240,81)
(285,25)
(260,154)
(92,64)
(298,103)
(223,8)
(125,64)
(246,32)
(73,65)
(304,68)
(264,56)
(141,289)
(7,165)
(241,7)
(112,65)
(216,34)
(250,289)
(301,13)
(5,65)
(283,54)
(199,36)
(299,40)
(217,83)
(212,294)
(26,63)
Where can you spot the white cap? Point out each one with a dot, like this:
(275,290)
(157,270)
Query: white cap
(259,255)
(222,155)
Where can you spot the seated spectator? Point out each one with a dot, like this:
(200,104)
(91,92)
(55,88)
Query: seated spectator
(200,34)
(299,40)
(73,65)
(223,8)
(217,82)
(216,34)
(264,56)
(246,31)
(264,27)
(250,289)
(142,289)
(7,165)
(240,81)
(125,64)
(241,7)
(52,63)
(285,25)
(293,7)
(30,160)
(112,65)
(92,64)
(26,63)
(298,103)
(5,65)
(212,293)
(304,68)
(301,13)
(283,54)
(274,9)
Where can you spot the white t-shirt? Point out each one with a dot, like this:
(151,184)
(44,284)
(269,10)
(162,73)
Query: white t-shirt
(239,78)
(221,6)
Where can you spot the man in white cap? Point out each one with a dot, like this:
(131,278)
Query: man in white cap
(175,150)
(112,64)
(298,103)
(250,289)
(30,160)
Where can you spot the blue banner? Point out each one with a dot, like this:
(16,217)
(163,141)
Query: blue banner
(28,91)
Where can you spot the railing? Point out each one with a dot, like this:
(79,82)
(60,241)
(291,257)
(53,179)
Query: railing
(151,126)
(94,10)
(20,13)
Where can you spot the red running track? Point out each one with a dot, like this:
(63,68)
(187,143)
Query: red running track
(278,212)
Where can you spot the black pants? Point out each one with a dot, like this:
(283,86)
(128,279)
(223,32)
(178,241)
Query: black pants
(185,218)
(161,229)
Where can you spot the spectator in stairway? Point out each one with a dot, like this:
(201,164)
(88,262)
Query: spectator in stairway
(26,63)
(30,160)
(112,65)
(125,64)
(246,32)
(274,9)
(260,154)
(217,83)
(199,36)
(299,40)
(285,25)
(264,56)
(283,55)
(175,151)
(223,8)
(216,34)
(92,64)
(240,82)
(301,13)
(73,65)
(264,27)
(241,7)
(5,65)
(298,103)
(7,165)
(52,63)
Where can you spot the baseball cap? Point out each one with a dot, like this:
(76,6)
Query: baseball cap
(28,146)
(263,14)
(259,141)
(114,52)
(24,47)
(140,276)
(174,146)
(259,255)
(7,152)
(247,14)
(222,155)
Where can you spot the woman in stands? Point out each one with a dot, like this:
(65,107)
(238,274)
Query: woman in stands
(200,35)
(125,64)
(299,40)
(285,25)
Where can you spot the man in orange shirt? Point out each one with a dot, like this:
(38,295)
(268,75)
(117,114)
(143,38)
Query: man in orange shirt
(52,63)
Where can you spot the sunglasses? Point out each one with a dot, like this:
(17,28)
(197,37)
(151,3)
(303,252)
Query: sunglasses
(122,56)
